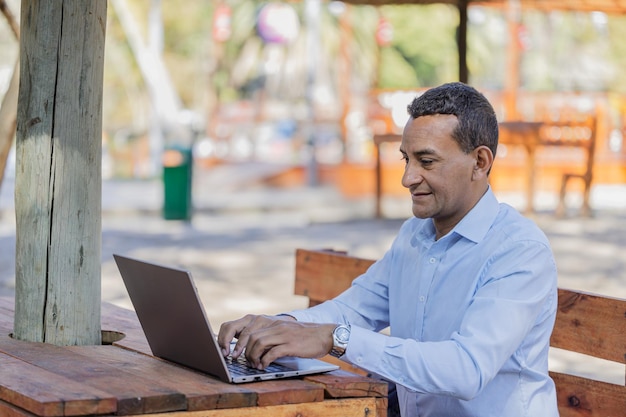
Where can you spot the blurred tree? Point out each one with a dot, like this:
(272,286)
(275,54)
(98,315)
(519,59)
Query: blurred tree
(423,51)
(487,43)
(616,35)
(568,51)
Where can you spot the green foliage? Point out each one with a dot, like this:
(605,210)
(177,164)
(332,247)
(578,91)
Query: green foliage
(425,38)
(396,71)
(617,50)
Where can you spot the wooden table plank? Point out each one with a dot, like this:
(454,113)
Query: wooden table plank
(202,391)
(342,384)
(348,407)
(286,391)
(47,394)
(9,410)
(134,394)
(125,321)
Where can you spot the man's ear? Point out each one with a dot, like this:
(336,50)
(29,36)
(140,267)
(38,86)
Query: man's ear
(482,163)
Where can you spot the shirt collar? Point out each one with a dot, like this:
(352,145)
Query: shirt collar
(477,222)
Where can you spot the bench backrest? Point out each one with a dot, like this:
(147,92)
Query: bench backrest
(585,323)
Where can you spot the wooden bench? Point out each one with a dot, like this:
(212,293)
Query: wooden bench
(588,324)
(578,132)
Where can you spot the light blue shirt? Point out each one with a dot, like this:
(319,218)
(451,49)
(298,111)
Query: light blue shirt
(470,316)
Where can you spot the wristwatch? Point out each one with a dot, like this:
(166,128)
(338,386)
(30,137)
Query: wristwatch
(341,336)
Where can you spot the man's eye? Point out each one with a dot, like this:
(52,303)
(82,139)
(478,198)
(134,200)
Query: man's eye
(426,161)
(405,159)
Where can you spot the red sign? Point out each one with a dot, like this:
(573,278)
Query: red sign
(384,32)
(221,23)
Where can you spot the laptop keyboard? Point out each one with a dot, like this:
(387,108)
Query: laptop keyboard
(240,367)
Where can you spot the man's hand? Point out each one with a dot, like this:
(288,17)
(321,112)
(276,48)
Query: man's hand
(267,338)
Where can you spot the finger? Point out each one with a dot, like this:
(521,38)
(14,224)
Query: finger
(262,341)
(243,338)
(255,324)
(274,353)
(228,331)
(224,336)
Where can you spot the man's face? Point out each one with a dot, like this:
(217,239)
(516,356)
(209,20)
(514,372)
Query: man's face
(437,172)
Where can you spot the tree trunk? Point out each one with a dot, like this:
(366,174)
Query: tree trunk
(58,173)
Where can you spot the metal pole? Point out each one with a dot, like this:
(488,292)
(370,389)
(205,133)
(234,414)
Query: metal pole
(312,13)
(462,42)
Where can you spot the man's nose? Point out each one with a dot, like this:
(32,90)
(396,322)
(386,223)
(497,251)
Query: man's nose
(412,175)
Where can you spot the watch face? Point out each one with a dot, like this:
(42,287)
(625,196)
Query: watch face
(343,334)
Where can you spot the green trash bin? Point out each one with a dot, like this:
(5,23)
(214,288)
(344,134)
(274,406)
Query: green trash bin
(177,173)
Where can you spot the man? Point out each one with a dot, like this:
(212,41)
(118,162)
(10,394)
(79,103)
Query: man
(468,286)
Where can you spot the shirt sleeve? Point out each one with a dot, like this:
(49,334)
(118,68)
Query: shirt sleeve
(508,319)
(509,312)
(365,304)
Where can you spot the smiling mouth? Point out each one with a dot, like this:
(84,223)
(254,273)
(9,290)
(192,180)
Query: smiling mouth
(420,193)
(419,196)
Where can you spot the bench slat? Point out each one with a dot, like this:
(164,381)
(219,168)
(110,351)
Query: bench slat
(591,324)
(322,275)
(577,396)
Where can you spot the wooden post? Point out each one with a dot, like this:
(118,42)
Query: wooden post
(58,177)
(462,41)
(345,70)
(513,60)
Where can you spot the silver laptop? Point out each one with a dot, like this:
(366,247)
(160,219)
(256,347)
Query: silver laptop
(173,319)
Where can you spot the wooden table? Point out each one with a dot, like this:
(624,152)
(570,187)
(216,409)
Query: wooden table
(526,134)
(123,378)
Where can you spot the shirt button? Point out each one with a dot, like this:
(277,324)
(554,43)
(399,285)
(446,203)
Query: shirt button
(359,359)
(422,298)
(432,260)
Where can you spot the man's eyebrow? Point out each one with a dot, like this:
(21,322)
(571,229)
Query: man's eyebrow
(421,152)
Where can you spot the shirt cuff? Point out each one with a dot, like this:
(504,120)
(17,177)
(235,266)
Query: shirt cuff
(365,348)
(287,315)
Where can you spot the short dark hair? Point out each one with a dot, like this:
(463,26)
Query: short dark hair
(478,124)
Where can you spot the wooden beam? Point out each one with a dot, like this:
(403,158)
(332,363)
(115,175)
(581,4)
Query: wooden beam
(58,183)
(462,41)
